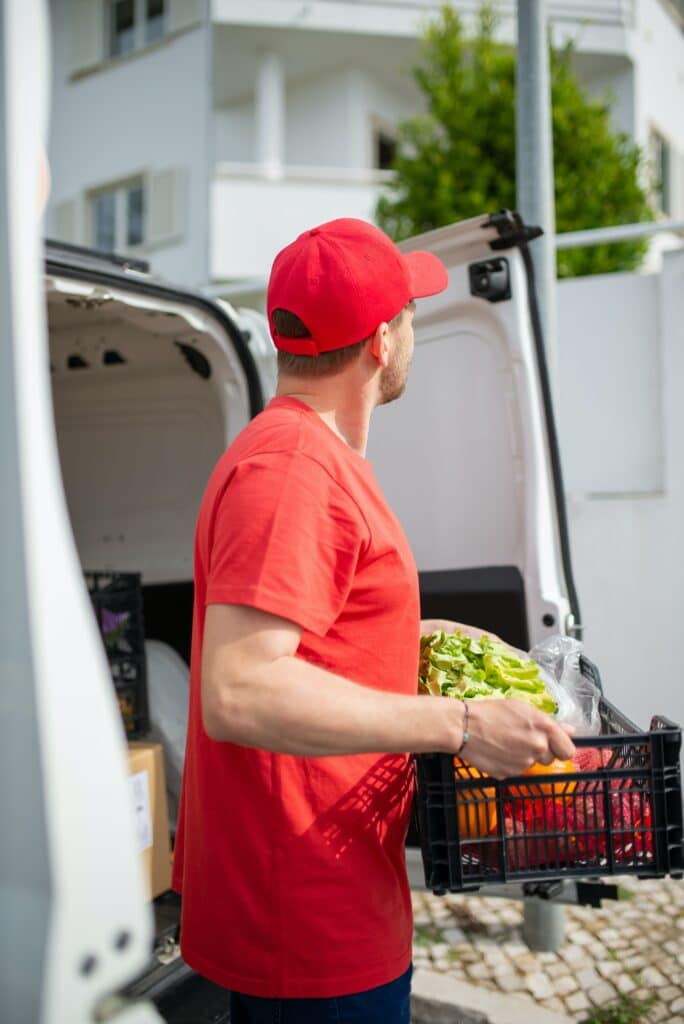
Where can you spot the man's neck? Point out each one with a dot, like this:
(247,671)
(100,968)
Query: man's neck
(346,413)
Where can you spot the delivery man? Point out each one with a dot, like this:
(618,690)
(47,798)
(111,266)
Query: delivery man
(303,703)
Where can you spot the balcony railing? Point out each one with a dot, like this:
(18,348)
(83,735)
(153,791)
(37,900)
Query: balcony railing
(253,216)
(406,15)
(606,12)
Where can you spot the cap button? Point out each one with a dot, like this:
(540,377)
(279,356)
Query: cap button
(315,231)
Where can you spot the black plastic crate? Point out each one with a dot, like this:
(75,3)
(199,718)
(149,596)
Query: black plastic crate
(118,605)
(130,682)
(623,815)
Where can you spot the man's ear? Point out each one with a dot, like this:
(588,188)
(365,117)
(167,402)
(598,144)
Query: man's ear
(379,344)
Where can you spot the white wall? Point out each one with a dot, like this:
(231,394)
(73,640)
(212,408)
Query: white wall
(320,119)
(144,112)
(329,118)
(628,551)
(658,48)
(234,138)
(379,106)
(243,243)
(610,384)
(619,86)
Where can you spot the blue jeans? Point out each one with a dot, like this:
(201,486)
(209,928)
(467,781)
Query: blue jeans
(387,1004)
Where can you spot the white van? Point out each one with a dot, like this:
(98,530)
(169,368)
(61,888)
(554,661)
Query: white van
(118,393)
(149,385)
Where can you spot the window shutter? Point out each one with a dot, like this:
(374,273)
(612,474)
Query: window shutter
(87,34)
(184,14)
(65,221)
(165,205)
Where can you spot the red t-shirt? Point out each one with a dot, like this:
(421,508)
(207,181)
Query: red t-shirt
(292,868)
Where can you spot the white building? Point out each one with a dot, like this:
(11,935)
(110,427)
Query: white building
(204,134)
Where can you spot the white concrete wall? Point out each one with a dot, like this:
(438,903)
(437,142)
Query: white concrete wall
(330,119)
(321,122)
(330,124)
(619,86)
(243,244)
(658,48)
(610,384)
(145,112)
(382,107)
(628,550)
(234,138)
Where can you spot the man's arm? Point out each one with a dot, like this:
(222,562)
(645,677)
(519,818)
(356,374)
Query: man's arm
(257,693)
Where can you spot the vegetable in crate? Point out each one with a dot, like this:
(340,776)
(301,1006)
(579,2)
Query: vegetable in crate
(476,807)
(537,787)
(477,814)
(456,665)
(545,824)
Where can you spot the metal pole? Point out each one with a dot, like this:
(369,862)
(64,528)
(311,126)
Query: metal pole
(543,923)
(534,163)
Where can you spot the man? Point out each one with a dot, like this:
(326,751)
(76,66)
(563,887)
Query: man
(290,849)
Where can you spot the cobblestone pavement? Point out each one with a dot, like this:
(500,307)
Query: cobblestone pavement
(634,946)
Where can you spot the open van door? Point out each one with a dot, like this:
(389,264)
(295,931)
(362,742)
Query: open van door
(468,458)
(75,925)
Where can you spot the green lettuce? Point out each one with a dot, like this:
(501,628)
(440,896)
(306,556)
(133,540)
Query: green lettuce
(456,665)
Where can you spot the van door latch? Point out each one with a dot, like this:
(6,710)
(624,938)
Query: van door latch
(490,279)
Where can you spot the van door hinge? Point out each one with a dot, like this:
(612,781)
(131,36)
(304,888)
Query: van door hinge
(511,230)
(490,279)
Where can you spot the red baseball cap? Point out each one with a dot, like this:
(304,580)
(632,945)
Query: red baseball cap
(344,278)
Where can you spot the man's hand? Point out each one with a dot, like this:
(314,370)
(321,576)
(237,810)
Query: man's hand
(508,736)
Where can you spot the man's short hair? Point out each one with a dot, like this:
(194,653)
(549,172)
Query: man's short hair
(288,325)
(324,365)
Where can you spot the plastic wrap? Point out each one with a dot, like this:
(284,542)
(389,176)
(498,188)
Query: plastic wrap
(168,686)
(577,697)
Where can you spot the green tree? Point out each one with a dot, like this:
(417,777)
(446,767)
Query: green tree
(458,159)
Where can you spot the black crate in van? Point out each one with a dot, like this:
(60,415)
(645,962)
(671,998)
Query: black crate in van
(118,605)
(622,814)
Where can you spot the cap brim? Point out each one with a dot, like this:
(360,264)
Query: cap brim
(427,273)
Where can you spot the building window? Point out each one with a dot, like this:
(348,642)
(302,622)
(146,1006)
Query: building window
(154,20)
(135,214)
(118,216)
(385,151)
(122,27)
(662,172)
(134,24)
(104,221)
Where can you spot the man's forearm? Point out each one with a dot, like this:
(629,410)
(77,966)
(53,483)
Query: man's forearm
(257,693)
(293,707)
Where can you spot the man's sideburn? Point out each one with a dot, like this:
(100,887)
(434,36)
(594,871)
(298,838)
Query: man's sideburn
(395,375)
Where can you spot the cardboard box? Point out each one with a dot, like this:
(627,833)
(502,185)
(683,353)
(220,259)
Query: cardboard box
(148,793)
